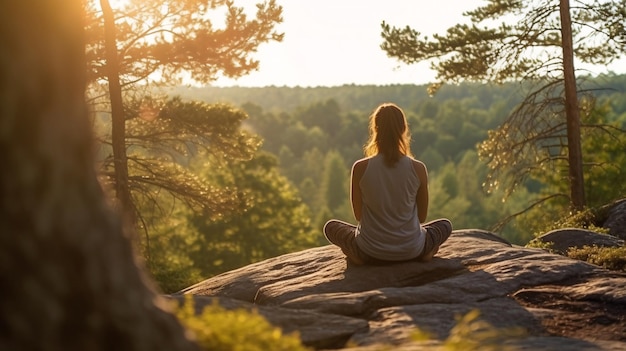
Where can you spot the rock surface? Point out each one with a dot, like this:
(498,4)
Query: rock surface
(616,220)
(558,303)
(561,240)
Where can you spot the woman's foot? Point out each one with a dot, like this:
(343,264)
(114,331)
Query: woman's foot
(429,256)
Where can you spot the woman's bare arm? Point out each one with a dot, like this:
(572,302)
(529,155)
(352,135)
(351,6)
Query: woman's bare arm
(355,191)
(422,192)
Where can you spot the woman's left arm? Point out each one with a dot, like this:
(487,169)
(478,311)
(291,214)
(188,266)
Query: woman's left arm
(422,192)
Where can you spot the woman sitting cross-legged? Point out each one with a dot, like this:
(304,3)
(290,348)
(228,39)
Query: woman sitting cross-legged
(389,195)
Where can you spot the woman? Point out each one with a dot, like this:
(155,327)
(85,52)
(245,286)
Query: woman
(389,194)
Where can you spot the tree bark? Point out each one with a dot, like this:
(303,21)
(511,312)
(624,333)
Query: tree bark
(576,180)
(118,121)
(68,273)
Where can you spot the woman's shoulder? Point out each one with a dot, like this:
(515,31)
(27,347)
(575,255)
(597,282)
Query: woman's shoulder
(419,166)
(363,161)
(360,165)
(417,162)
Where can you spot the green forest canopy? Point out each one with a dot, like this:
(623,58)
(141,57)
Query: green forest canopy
(302,125)
(315,134)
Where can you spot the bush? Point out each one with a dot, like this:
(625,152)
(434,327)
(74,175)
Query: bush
(585,219)
(173,278)
(471,333)
(218,329)
(613,258)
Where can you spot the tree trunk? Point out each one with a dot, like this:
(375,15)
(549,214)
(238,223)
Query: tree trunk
(118,122)
(577,185)
(68,274)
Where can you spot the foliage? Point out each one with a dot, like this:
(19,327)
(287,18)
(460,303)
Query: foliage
(162,138)
(166,243)
(544,159)
(185,246)
(171,275)
(333,190)
(585,219)
(218,329)
(603,142)
(538,244)
(456,193)
(530,47)
(613,258)
(527,46)
(209,201)
(472,334)
(449,151)
(152,41)
(269,220)
(157,40)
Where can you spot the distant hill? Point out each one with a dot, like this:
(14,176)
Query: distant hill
(366,97)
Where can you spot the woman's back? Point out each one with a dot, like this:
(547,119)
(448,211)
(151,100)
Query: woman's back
(389,228)
(389,197)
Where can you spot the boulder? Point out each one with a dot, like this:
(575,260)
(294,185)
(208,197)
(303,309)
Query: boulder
(561,240)
(551,302)
(616,220)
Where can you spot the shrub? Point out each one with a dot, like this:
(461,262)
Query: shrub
(473,334)
(218,329)
(470,333)
(585,219)
(613,258)
(174,278)
(536,243)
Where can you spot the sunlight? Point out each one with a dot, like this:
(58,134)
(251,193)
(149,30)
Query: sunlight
(119,4)
(115,4)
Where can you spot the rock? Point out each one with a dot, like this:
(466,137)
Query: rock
(616,220)
(563,239)
(318,330)
(559,303)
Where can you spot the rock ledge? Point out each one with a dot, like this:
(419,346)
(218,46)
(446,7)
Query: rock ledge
(559,303)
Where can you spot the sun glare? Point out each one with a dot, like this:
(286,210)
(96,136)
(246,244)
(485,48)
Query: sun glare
(118,4)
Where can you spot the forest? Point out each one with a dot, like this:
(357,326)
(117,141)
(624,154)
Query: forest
(287,153)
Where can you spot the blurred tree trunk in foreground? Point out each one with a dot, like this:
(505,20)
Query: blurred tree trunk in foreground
(68,275)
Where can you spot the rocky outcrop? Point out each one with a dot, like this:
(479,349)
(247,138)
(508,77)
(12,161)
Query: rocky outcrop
(561,240)
(558,303)
(616,219)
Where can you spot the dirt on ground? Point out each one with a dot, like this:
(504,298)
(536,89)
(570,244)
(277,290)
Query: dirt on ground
(581,319)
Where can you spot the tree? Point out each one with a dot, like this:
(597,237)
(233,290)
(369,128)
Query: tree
(69,278)
(118,130)
(270,220)
(156,41)
(333,192)
(538,48)
(162,139)
(606,164)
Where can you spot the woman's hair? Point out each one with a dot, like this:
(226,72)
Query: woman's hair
(389,134)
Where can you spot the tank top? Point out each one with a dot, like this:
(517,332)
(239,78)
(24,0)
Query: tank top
(389,228)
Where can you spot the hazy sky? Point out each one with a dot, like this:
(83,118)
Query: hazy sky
(336,42)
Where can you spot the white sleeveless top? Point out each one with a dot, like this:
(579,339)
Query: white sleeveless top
(389,228)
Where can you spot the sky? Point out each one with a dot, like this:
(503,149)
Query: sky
(337,42)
